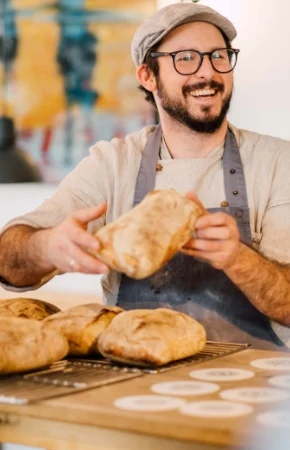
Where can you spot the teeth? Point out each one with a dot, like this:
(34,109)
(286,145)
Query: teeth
(202,92)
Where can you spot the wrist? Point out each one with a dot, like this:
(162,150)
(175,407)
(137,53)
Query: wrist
(39,242)
(239,262)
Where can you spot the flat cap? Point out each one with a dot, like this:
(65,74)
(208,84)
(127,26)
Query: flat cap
(165,19)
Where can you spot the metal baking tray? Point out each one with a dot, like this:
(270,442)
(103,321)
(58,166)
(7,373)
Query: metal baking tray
(74,375)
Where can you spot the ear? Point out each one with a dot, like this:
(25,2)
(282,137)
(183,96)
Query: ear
(145,77)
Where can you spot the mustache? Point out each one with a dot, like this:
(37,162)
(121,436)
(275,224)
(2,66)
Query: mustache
(219,87)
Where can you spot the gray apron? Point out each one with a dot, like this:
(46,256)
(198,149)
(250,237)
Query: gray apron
(188,285)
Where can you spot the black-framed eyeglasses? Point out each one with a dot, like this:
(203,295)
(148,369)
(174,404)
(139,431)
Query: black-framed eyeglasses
(188,62)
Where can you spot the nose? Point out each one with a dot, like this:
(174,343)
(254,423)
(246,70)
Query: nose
(206,70)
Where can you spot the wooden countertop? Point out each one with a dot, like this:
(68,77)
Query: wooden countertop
(98,424)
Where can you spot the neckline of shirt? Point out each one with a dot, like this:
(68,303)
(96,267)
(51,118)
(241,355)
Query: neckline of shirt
(215,153)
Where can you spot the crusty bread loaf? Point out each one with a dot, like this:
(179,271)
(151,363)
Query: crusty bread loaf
(145,238)
(82,326)
(28,308)
(151,337)
(24,345)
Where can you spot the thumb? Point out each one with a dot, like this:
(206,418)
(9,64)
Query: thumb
(192,196)
(85,215)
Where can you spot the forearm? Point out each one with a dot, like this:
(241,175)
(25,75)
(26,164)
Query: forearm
(21,256)
(265,283)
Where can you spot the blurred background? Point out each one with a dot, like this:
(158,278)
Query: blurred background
(67,81)
(67,76)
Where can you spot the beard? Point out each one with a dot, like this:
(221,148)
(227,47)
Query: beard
(209,124)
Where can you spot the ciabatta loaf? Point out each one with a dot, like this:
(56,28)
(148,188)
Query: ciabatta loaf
(141,241)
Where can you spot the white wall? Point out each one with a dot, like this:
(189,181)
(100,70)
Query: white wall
(262,98)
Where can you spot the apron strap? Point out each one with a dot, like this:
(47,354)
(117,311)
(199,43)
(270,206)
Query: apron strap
(147,172)
(234,179)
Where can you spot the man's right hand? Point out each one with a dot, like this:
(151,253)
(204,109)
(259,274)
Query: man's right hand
(67,245)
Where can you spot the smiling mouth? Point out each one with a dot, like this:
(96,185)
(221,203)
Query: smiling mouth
(203,93)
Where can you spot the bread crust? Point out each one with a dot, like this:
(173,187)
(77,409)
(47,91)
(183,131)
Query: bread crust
(82,326)
(152,337)
(27,308)
(24,345)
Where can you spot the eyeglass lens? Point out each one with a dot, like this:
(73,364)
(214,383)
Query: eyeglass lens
(187,62)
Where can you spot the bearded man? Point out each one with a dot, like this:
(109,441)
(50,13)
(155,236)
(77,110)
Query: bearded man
(234,275)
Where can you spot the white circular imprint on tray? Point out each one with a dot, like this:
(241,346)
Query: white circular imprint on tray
(148,403)
(216,409)
(272,363)
(275,419)
(185,388)
(222,374)
(282,381)
(254,394)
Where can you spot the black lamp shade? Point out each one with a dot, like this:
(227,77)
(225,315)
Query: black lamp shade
(16,166)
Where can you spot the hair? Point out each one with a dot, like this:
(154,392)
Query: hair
(153,65)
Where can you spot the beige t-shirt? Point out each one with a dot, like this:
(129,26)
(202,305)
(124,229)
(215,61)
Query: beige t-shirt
(109,175)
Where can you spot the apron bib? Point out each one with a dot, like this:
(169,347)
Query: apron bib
(192,286)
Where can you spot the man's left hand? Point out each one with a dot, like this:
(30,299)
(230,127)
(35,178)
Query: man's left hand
(217,239)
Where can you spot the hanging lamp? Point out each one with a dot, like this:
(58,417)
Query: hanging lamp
(16,166)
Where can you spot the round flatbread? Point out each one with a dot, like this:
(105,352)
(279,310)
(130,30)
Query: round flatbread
(25,345)
(27,308)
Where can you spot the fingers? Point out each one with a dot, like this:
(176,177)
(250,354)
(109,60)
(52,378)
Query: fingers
(77,260)
(85,215)
(216,242)
(214,227)
(83,239)
(219,232)
(218,260)
(214,220)
(206,245)
(69,245)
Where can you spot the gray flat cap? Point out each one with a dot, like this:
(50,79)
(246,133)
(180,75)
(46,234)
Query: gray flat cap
(165,19)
